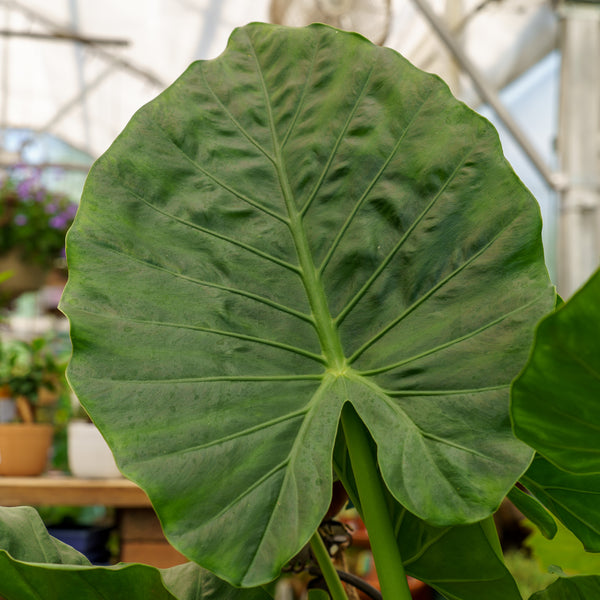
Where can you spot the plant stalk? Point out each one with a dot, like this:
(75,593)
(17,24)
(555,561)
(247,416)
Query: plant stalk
(336,589)
(491,533)
(375,513)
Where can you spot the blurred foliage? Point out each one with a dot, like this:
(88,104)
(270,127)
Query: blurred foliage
(33,375)
(564,551)
(527,573)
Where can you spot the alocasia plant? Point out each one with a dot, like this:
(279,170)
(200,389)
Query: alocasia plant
(307,260)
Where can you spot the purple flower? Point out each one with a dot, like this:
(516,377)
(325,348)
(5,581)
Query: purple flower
(71,210)
(25,187)
(50,209)
(58,222)
(20,220)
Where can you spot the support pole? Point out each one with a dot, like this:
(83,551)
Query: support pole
(579,145)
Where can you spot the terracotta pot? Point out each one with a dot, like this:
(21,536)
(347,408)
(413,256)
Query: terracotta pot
(26,277)
(24,448)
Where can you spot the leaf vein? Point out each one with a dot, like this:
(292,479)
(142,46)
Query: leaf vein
(237,124)
(587,424)
(367,285)
(219,332)
(430,292)
(216,379)
(423,549)
(260,481)
(220,236)
(452,342)
(220,183)
(302,97)
(398,409)
(233,436)
(369,188)
(557,502)
(209,284)
(336,146)
(418,393)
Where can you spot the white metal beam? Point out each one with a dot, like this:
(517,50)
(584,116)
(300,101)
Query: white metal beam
(487,93)
(579,145)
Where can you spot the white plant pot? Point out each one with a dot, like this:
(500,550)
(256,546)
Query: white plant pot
(8,410)
(89,454)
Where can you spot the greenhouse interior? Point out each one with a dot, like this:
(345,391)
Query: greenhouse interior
(300,299)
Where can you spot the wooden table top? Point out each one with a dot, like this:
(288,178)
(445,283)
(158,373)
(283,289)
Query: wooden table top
(70,491)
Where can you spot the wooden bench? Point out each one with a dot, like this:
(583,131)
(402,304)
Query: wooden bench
(141,536)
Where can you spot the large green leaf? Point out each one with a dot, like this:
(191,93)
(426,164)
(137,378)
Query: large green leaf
(555,407)
(35,565)
(573,497)
(305,221)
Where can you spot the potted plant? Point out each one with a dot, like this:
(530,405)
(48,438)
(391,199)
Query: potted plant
(306,262)
(34,222)
(31,380)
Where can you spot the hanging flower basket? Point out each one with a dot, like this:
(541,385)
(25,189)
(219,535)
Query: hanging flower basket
(34,223)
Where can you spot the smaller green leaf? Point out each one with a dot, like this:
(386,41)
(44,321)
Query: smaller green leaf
(24,536)
(459,562)
(555,406)
(534,511)
(573,498)
(585,587)
(31,560)
(318,595)
(23,580)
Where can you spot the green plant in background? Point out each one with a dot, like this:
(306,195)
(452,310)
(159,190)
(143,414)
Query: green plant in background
(564,551)
(527,573)
(306,261)
(32,377)
(34,220)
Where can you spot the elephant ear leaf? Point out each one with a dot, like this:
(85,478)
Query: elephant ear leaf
(305,221)
(555,406)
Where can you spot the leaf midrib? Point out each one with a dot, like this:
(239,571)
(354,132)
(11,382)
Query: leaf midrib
(323,321)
